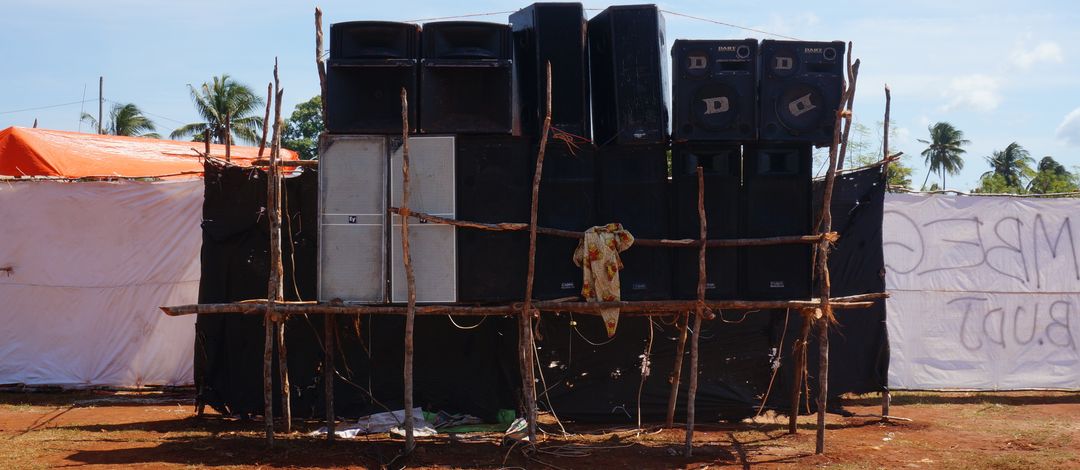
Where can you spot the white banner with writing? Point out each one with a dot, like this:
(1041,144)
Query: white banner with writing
(985,292)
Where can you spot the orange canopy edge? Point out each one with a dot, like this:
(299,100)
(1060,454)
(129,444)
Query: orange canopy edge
(45,152)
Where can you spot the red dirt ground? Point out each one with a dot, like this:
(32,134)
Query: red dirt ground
(159,430)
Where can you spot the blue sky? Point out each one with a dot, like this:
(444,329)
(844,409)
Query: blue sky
(1001,71)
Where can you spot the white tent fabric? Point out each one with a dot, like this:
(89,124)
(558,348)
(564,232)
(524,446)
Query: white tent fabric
(83,269)
(985,292)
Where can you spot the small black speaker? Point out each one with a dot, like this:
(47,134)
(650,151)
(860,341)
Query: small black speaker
(494,184)
(777,201)
(715,90)
(466,78)
(568,202)
(370,62)
(628,64)
(801,84)
(721,167)
(632,191)
(552,32)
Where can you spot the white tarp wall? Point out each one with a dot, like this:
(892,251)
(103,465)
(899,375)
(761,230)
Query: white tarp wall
(985,292)
(90,263)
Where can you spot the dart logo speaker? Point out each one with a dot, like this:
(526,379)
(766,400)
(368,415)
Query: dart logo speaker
(800,90)
(715,90)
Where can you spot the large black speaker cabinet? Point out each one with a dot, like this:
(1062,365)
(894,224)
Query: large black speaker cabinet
(777,201)
(628,66)
(715,90)
(633,192)
(466,78)
(801,84)
(721,171)
(494,184)
(552,32)
(567,201)
(370,62)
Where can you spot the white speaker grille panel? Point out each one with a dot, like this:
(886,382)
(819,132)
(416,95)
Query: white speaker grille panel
(352,217)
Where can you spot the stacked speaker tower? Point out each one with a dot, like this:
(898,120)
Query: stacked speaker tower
(749,115)
(628,59)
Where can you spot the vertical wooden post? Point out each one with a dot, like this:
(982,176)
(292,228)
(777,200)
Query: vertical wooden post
(266,117)
(206,141)
(886,397)
(228,136)
(101,106)
(798,356)
(525,332)
(699,311)
(319,63)
(676,375)
(35,123)
(273,331)
(410,315)
(329,324)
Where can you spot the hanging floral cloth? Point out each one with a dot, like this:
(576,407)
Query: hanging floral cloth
(598,256)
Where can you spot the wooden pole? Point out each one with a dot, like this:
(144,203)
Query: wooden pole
(206,142)
(886,397)
(101,105)
(699,311)
(676,373)
(266,117)
(228,137)
(319,63)
(850,104)
(35,123)
(798,356)
(283,365)
(410,316)
(274,281)
(525,332)
(329,324)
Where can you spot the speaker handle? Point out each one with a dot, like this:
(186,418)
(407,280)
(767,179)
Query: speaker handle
(483,63)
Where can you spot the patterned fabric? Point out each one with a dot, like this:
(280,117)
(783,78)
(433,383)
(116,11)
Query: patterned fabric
(598,256)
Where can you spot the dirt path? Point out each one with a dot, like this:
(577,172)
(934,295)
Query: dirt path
(958,430)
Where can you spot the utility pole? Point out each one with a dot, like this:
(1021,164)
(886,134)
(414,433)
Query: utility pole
(101,103)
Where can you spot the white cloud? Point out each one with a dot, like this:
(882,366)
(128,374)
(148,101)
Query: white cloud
(1069,130)
(1025,57)
(979,92)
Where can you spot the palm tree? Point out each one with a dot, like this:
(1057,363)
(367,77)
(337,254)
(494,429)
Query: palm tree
(222,97)
(1013,164)
(944,153)
(125,119)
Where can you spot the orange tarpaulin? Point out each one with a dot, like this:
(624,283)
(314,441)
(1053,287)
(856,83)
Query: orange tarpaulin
(44,152)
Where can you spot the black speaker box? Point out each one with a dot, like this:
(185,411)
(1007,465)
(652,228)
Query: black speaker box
(715,90)
(567,201)
(466,78)
(721,171)
(801,84)
(551,32)
(628,66)
(494,184)
(370,62)
(777,201)
(633,192)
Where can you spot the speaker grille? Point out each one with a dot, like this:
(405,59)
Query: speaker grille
(352,202)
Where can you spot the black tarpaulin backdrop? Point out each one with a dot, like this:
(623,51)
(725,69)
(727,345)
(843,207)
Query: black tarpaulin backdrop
(468,365)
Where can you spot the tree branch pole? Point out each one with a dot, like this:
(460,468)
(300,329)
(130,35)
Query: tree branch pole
(228,136)
(275,285)
(849,104)
(329,322)
(885,395)
(525,335)
(798,355)
(206,142)
(639,242)
(319,63)
(676,375)
(699,311)
(410,313)
(827,317)
(283,364)
(266,117)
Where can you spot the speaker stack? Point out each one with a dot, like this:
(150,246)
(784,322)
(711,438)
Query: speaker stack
(370,62)
(466,78)
(627,55)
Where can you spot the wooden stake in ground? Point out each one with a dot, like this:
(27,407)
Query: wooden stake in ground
(699,311)
(885,396)
(275,285)
(798,357)
(410,316)
(676,376)
(525,332)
